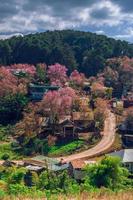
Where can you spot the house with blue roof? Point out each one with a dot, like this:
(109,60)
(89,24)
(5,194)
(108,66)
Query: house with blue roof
(36,92)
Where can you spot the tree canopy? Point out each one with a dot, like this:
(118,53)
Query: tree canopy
(75,49)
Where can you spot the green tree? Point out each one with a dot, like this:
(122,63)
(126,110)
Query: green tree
(108,173)
(11,107)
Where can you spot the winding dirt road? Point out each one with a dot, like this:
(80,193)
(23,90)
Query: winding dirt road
(106,141)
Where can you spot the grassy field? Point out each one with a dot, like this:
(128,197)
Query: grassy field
(86,141)
(72,147)
(101,196)
(125,195)
(65,149)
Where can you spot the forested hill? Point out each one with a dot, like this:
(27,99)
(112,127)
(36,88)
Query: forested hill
(75,49)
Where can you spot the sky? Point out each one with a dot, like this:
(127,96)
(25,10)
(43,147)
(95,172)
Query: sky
(113,18)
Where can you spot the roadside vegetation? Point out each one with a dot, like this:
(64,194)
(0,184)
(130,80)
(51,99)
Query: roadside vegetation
(107,176)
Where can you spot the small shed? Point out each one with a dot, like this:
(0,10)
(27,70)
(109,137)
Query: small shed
(77,168)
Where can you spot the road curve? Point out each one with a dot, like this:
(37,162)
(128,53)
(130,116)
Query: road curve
(106,141)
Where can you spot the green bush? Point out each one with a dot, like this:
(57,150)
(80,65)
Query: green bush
(7,149)
(11,107)
(66,148)
(6,132)
(5,156)
(17,176)
(108,173)
(2,194)
(17,189)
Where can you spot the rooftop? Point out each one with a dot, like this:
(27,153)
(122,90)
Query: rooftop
(34,168)
(51,163)
(126,155)
(82,116)
(80,164)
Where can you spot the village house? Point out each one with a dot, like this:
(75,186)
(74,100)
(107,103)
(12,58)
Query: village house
(44,162)
(83,120)
(126,156)
(126,134)
(125,129)
(37,164)
(115,103)
(128,100)
(128,140)
(65,127)
(36,92)
(77,168)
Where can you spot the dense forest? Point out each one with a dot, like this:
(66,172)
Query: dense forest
(85,51)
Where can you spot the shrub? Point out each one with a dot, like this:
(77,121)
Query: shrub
(6,149)
(2,194)
(5,156)
(16,189)
(3,185)
(16,176)
(11,107)
(108,173)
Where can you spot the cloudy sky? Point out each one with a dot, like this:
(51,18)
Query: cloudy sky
(111,17)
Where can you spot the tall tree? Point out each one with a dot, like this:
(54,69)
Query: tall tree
(57,74)
(58,103)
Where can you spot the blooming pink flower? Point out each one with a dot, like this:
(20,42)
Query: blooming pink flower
(59,102)
(57,74)
(77,78)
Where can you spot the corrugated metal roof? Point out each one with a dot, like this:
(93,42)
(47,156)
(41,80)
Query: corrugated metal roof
(51,163)
(34,168)
(45,159)
(56,167)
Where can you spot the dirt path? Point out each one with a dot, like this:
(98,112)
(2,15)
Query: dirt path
(107,140)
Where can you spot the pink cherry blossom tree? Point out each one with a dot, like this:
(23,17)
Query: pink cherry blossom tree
(58,103)
(8,82)
(98,89)
(23,68)
(77,78)
(12,82)
(57,74)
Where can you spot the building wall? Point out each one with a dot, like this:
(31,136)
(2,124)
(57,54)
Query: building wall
(78,174)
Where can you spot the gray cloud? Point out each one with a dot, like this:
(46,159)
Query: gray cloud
(8,8)
(34,15)
(100,13)
(126,5)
